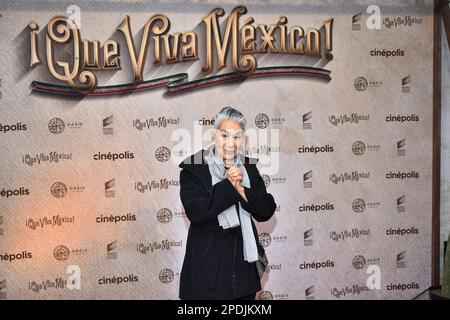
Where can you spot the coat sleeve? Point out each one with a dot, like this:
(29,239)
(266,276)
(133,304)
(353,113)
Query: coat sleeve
(201,205)
(260,204)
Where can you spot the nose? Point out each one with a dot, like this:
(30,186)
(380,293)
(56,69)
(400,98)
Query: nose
(229,143)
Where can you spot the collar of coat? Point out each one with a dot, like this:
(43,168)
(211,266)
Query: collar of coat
(197,164)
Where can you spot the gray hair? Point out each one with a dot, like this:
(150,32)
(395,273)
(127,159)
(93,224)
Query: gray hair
(229,113)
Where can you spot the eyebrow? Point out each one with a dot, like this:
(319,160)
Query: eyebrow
(233,133)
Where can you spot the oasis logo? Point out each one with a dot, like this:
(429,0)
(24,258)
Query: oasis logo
(266,180)
(265,239)
(152,185)
(359,205)
(62,253)
(306,120)
(308,237)
(166,275)
(262,121)
(361,84)
(348,176)
(348,119)
(161,122)
(359,147)
(107,125)
(274,179)
(307,179)
(109,192)
(58,189)
(162,154)
(359,261)
(53,157)
(19,126)
(401,204)
(57,125)
(16,256)
(179,152)
(401,147)
(164,215)
(265,295)
(118,280)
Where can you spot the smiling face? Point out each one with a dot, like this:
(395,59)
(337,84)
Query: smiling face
(228,140)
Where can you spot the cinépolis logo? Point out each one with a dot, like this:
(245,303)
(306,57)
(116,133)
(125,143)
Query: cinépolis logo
(240,39)
(12,257)
(19,126)
(315,149)
(316,265)
(113,155)
(115,218)
(117,280)
(21,191)
(313,207)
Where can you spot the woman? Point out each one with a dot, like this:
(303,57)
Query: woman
(221,191)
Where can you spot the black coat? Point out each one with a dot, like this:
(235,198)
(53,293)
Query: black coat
(214,265)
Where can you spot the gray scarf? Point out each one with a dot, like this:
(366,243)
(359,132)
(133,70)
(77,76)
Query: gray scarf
(229,217)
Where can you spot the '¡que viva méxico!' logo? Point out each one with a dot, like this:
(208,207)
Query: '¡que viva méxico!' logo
(241,41)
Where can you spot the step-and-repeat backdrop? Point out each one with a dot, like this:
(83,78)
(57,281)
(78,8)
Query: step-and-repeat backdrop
(101,100)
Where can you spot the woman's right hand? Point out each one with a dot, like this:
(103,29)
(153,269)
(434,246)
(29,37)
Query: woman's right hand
(234,174)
